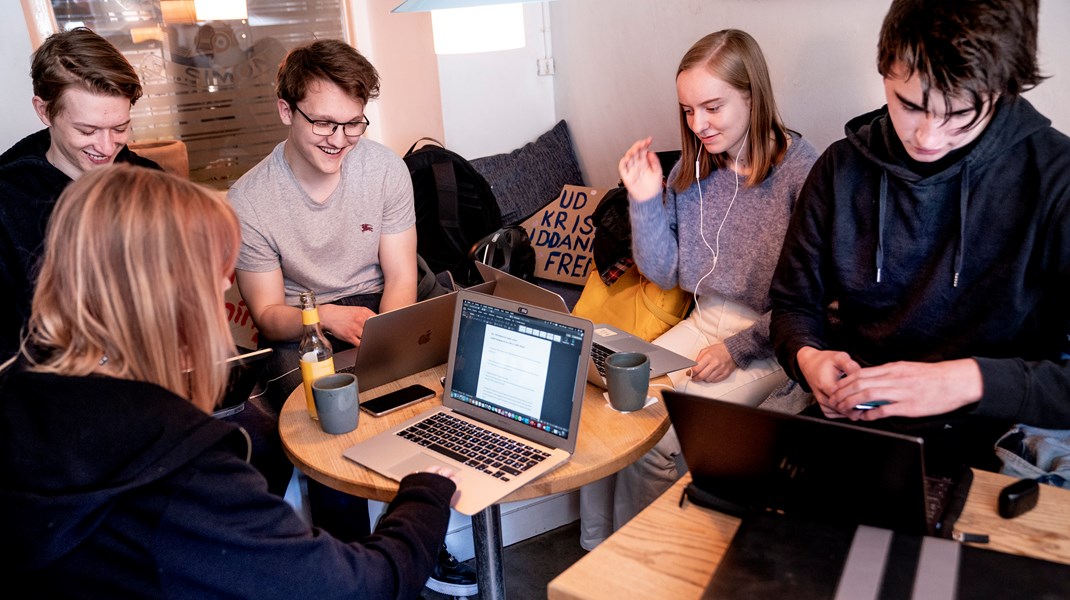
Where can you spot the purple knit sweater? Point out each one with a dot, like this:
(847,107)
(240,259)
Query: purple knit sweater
(667,240)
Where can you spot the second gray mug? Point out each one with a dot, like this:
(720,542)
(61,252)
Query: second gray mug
(628,378)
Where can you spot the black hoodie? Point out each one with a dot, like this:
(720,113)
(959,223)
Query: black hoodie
(973,261)
(29,188)
(120,489)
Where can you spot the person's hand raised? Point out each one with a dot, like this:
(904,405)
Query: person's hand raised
(640,170)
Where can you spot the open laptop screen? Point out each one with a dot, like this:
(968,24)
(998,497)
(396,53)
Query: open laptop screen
(517,366)
(755,459)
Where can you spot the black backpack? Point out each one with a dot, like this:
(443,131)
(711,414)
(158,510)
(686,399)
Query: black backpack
(455,208)
(509,249)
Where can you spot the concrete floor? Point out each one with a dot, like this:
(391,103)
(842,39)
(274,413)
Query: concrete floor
(530,565)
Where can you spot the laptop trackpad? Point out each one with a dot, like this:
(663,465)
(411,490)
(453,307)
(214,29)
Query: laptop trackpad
(420,462)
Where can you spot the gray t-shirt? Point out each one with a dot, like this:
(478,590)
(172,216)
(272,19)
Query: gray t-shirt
(330,248)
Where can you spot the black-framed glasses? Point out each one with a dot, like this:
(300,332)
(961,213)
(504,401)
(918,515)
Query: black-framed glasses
(351,129)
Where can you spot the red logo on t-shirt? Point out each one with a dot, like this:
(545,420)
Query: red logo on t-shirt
(365,227)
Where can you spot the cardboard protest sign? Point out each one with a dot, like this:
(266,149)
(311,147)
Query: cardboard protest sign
(563,234)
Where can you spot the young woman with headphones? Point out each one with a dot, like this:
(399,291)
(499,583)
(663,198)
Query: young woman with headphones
(716,231)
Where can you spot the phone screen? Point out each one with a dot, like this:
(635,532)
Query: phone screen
(394,400)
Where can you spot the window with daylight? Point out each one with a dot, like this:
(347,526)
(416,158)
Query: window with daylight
(207,66)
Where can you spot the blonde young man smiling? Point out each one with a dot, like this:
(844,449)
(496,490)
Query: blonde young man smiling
(83,90)
(941,227)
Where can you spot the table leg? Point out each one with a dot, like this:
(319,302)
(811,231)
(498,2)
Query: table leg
(487,539)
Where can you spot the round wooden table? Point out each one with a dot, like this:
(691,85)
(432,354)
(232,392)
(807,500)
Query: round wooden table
(608,441)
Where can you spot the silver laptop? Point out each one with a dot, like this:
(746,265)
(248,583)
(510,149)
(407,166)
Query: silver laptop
(401,342)
(510,411)
(608,339)
(515,288)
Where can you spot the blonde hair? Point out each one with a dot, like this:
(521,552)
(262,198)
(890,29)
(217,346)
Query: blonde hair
(133,265)
(734,57)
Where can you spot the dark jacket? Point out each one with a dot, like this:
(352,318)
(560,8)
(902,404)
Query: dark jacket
(974,261)
(120,489)
(29,188)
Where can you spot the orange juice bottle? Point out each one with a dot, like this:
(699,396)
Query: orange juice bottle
(317,356)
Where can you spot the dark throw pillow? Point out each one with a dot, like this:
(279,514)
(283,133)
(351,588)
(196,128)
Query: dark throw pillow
(529,177)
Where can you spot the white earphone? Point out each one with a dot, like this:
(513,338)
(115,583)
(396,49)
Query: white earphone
(715,250)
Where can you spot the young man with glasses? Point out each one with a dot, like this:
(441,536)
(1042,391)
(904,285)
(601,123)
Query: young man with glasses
(331,212)
(327,211)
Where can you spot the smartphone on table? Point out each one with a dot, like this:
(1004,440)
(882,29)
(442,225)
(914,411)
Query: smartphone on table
(391,401)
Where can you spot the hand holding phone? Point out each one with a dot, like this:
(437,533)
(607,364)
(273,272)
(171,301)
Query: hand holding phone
(389,402)
(871,404)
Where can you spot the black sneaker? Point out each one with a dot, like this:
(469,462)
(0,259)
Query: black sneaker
(451,577)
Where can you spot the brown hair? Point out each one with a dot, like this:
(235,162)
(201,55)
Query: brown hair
(962,48)
(326,60)
(81,58)
(734,57)
(133,265)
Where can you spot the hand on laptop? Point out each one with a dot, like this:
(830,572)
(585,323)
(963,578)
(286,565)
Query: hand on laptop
(453,476)
(714,364)
(345,322)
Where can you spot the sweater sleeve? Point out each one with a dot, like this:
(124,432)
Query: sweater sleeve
(224,535)
(1037,392)
(798,290)
(1032,392)
(750,344)
(655,245)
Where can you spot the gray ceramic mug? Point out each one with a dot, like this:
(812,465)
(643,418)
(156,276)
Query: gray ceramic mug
(337,402)
(628,378)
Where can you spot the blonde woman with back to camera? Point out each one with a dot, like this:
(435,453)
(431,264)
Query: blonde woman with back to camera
(119,482)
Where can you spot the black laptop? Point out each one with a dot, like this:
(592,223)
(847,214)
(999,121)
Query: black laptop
(245,372)
(747,460)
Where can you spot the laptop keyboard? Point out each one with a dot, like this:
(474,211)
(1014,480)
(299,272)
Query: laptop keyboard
(599,354)
(476,447)
(937,490)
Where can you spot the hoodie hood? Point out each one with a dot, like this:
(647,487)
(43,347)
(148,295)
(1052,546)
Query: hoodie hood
(36,144)
(873,135)
(71,447)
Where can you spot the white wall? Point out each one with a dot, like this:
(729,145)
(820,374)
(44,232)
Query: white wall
(494,102)
(18,119)
(400,46)
(616,63)
(476,104)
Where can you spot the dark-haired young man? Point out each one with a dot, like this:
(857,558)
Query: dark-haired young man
(331,212)
(327,211)
(83,89)
(941,227)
